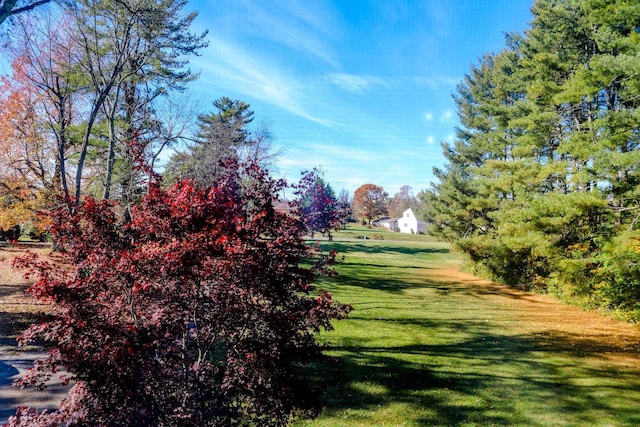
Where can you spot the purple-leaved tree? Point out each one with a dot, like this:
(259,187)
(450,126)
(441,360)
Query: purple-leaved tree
(320,209)
(196,312)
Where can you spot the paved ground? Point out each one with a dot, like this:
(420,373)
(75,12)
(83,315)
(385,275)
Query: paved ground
(14,362)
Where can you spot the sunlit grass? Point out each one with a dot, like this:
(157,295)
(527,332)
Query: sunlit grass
(372,233)
(17,310)
(421,348)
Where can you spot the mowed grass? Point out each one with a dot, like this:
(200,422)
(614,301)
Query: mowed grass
(427,345)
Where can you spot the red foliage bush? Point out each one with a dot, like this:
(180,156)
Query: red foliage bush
(196,312)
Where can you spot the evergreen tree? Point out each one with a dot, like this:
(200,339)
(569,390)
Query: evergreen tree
(220,138)
(541,186)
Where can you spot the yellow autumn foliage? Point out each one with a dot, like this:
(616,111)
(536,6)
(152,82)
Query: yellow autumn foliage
(19,204)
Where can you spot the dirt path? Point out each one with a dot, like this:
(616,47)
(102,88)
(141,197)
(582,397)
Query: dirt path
(552,321)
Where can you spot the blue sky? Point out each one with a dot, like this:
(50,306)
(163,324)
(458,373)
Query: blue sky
(360,88)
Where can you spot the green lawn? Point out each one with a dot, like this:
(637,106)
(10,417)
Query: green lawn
(422,348)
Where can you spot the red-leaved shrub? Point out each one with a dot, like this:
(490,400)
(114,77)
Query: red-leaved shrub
(196,312)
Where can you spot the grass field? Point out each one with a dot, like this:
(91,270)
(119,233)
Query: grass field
(428,345)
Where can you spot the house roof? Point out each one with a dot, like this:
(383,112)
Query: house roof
(413,213)
(385,220)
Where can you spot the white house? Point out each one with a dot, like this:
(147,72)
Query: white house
(410,224)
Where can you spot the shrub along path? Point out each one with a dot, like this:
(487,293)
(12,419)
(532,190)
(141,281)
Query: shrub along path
(429,345)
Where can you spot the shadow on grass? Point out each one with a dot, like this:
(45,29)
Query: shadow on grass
(13,290)
(472,372)
(418,377)
(399,279)
(13,324)
(376,247)
(13,320)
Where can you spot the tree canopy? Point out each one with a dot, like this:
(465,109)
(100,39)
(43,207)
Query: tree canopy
(541,186)
(222,135)
(369,202)
(99,69)
(403,200)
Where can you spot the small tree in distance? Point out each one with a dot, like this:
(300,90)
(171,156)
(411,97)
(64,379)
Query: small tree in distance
(195,313)
(344,203)
(320,209)
(403,200)
(369,201)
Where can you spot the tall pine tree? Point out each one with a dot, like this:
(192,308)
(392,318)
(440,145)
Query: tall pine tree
(541,188)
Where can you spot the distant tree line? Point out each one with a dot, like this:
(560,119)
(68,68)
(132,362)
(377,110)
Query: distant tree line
(371,201)
(541,187)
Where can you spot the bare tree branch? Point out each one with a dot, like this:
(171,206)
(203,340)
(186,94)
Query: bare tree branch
(8,8)
(29,7)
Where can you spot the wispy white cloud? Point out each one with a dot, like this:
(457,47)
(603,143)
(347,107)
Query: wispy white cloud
(331,157)
(337,154)
(352,166)
(228,64)
(296,163)
(376,77)
(303,26)
(346,167)
(435,82)
(360,83)
(355,83)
